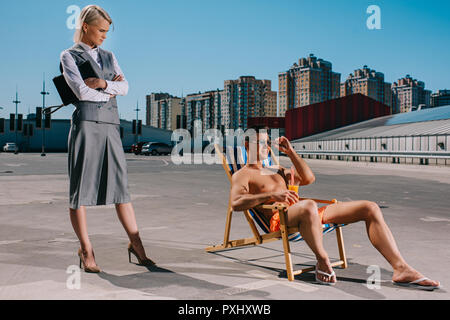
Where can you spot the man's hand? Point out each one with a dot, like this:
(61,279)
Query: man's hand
(283,144)
(289,197)
(303,175)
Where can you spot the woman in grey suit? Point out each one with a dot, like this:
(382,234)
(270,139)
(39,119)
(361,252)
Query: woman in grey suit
(96,160)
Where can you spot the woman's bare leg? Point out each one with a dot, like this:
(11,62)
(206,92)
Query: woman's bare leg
(79,224)
(378,232)
(304,215)
(126,215)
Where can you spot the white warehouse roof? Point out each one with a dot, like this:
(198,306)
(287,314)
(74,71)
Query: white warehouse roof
(433,121)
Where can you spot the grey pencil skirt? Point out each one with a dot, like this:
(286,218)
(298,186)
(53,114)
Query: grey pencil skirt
(97,165)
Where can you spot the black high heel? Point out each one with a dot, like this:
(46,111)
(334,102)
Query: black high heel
(143,262)
(95,269)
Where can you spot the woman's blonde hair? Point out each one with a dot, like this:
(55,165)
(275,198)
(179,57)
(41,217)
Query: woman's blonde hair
(88,15)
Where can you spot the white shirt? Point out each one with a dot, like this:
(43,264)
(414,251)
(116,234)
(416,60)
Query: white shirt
(76,82)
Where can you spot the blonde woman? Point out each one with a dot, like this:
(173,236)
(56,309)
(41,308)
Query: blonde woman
(96,160)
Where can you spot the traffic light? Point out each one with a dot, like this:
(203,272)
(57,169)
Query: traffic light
(139,128)
(38,117)
(48,120)
(19,122)
(134,127)
(12,121)
(30,129)
(2,125)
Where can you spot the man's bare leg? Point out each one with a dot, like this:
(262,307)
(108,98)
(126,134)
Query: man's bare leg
(303,215)
(379,235)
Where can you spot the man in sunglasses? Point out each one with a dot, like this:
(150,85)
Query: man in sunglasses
(254,185)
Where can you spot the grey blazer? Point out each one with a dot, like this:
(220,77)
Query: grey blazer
(93,110)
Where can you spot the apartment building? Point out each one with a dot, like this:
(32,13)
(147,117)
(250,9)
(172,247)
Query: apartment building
(247,97)
(206,107)
(309,81)
(163,111)
(369,83)
(440,98)
(408,94)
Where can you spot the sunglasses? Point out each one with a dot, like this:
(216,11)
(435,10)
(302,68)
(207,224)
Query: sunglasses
(264,143)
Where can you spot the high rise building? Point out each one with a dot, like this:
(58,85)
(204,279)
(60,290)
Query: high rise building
(152,108)
(440,98)
(310,81)
(163,111)
(409,93)
(247,97)
(205,107)
(369,83)
(270,108)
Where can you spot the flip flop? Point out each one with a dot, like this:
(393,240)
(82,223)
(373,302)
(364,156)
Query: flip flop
(329,275)
(415,284)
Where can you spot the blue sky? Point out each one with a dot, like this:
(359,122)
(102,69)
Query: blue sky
(189,46)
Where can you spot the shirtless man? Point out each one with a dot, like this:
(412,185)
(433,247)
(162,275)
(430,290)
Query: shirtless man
(254,185)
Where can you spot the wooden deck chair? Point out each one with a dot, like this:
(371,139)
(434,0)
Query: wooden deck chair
(232,161)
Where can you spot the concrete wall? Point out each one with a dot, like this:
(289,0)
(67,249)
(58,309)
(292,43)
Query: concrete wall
(57,136)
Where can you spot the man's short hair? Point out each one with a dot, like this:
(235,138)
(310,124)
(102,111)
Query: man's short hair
(257,129)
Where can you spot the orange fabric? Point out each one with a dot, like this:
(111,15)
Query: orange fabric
(275,220)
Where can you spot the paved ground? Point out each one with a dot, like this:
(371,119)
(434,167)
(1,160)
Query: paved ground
(181,210)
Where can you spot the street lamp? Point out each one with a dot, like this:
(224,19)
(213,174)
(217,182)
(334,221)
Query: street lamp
(137,120)
(44,93)
(16,151)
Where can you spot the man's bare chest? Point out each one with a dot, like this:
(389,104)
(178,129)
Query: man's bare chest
(265,181)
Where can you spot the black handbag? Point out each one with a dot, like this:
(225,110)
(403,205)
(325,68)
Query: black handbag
(65,92)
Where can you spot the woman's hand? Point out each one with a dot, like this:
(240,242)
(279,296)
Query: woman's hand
(283,144)
(289,197)
(118,77)
(95,83)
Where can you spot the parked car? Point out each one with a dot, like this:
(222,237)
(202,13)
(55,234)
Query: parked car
(127,149)
(155,148)
(10,147)
(136,148)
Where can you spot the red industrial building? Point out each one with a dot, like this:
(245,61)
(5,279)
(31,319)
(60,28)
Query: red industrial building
(271,122)
(331,114)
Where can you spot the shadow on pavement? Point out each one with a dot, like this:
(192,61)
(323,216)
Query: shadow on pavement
(354,282)
(164,282)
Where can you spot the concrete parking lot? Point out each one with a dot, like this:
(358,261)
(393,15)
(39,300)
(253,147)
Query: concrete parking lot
(181,209)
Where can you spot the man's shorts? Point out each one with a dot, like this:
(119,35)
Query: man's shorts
(275,220)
